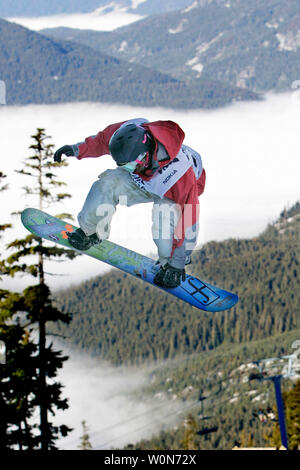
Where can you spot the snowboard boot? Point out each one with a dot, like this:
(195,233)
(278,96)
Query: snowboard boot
(80,241)
(169,277)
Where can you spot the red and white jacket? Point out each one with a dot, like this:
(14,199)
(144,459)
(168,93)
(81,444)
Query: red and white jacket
(185,191)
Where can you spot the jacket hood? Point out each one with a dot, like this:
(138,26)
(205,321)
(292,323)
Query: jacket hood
(168,133)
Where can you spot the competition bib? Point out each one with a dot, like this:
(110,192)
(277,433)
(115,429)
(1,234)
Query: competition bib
(169,174)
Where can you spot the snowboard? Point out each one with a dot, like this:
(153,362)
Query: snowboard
(194,291)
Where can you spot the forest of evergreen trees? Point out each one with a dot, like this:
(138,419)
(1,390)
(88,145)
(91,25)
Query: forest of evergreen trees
(225,407)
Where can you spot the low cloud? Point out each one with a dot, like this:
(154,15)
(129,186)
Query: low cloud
(110,401)
(97,20)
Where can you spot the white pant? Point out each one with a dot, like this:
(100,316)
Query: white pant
(116,186)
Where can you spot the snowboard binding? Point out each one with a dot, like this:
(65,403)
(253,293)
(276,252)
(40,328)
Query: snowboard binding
(80,241)
(169,277)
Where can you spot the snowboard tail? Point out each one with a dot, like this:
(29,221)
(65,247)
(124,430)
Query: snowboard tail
(194,291)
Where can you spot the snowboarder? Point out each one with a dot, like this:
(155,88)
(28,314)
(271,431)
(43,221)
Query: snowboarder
(153,165)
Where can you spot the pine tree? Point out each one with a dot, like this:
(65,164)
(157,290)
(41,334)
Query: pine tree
(3,226)
(17,372)
(18,382)
(292,414)
(292,403)
(190,434)
(36,300)
(40,168)
(3,188)
(85,439)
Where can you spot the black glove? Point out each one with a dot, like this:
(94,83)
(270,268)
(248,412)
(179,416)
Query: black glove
(66,150)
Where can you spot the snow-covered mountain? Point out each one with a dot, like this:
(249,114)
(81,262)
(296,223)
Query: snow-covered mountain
(33,8)
(253,44)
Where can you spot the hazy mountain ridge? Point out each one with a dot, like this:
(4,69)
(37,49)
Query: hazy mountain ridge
(255,44)
(31,8)
(38,69)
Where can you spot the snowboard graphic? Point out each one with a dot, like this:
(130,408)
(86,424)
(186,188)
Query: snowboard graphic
(198,293)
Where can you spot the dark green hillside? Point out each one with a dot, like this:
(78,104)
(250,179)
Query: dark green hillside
(126,321)
(230,401)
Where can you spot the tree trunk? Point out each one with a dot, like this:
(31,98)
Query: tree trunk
(44,425)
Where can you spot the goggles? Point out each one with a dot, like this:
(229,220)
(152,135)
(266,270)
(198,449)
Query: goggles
(131,166)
